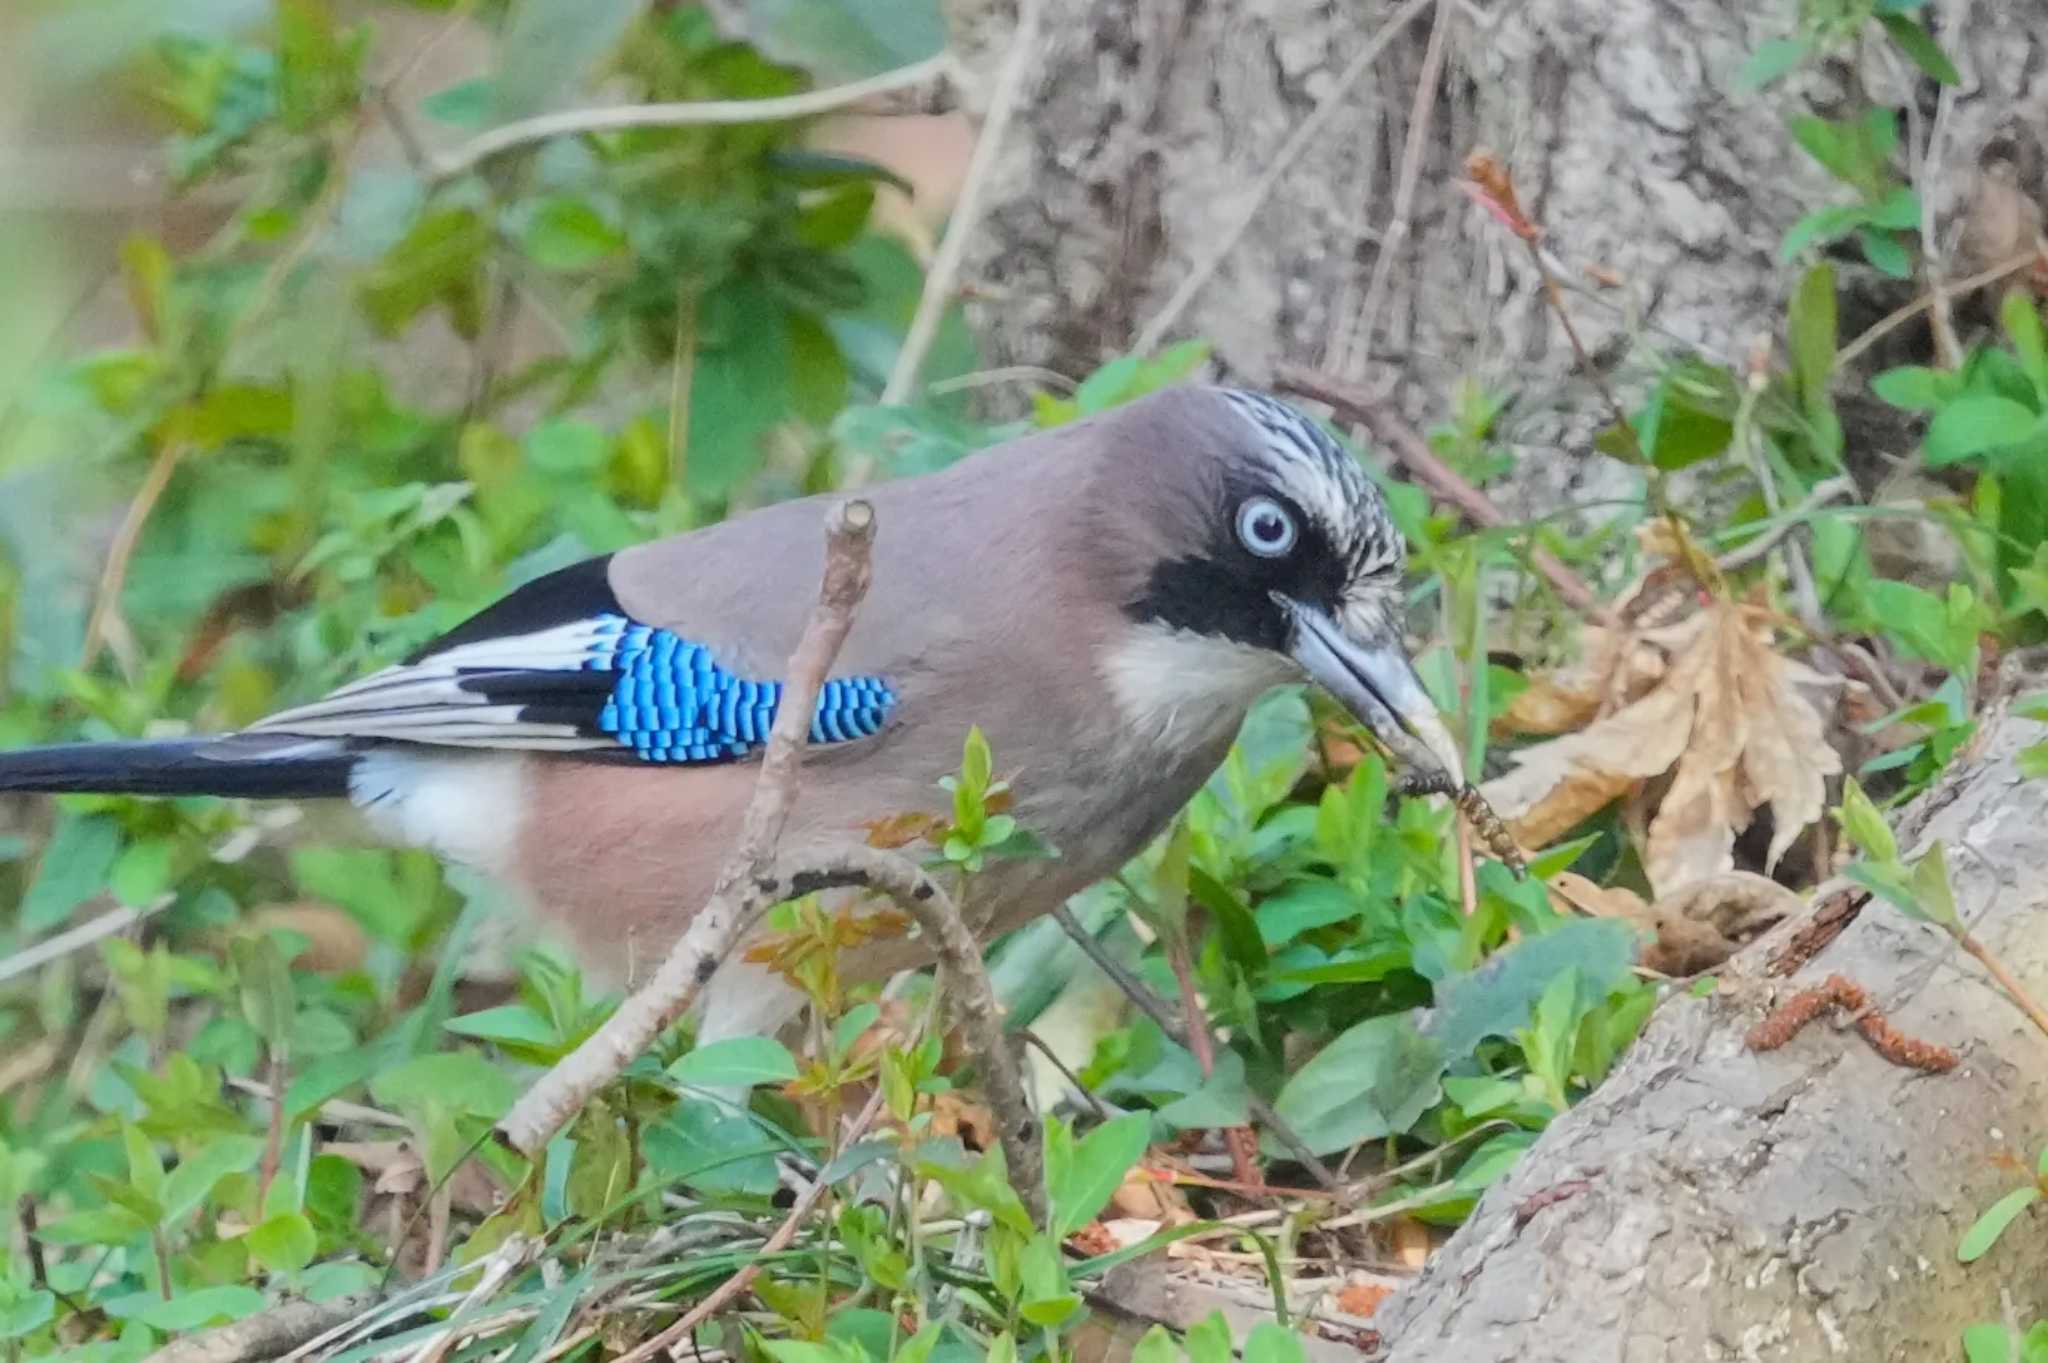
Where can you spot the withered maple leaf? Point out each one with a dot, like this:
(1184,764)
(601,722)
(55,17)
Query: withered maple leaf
(1723,713)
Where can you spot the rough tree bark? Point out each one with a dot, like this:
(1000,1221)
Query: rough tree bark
(1708,1202)
(1141,141)
(1711,1202)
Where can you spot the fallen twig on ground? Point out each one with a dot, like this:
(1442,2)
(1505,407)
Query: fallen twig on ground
(265,1335)
(736,898)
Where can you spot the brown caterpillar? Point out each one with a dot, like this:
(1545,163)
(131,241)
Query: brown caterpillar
(1472,806)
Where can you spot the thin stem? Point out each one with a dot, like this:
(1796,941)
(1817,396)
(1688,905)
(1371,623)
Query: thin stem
(573,122)
(940,280)
(1150,1005)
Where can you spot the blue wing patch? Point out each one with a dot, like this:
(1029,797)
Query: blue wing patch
(672,702)
(602,684)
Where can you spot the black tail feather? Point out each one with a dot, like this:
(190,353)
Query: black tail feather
(180,766)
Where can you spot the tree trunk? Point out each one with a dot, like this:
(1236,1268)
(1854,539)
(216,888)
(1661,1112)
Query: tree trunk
(1713,1202)
(1141,141)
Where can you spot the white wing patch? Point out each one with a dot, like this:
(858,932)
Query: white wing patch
(425,702)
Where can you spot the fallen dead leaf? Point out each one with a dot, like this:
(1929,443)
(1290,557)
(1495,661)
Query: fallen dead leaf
(1696,927)
(1724,716)
(1130,1230)
(1410,1241)
(1146,1196)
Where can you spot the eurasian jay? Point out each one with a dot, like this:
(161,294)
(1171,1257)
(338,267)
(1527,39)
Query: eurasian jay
(1105,599)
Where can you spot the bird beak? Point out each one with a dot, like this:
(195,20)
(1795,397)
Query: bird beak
(1375,681)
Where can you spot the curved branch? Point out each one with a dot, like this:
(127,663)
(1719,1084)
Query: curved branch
(697,113)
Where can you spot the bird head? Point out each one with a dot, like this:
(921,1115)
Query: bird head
(1254,549)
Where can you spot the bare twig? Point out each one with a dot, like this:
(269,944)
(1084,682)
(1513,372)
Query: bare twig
(736,897)
(108,924)
(265,1335)
(2007,981)
(105,627)
(1389,428)
(1304,132)
(573,122)
(1396,234)
(1150,1005)
(660,1344)
(939,281)
(969,993)
(1824,493)
(1892,321)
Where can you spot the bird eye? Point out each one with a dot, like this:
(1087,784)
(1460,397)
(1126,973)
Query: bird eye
(1265,527)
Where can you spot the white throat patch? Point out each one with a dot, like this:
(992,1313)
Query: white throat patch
(1187,688)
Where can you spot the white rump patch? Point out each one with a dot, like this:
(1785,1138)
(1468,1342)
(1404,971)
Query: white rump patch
(466,807)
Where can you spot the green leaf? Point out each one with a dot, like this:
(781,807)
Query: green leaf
(201,1306)
(1932,888)
(1984,1232)
(1899,210)
(1920,47)
(187,1187)
(736,1062)
(740,387)
(1155,1346)
(73,868)
(1812,326)
(1221,1101)
(2022,320)
(1821,226)
(1236,925)
(440,260)
(1208,1340)
(512,1022)
(465,104)
(145,1170)
(566,233)
(1865,827)
(99,1226)
(265,983)
(1913,387)
(1497,997)
(1374,1080)
(1974,425)
(27,1314)
(1770,63)
(1087,1176)
(1987,1344)
(1271,1343)
(548,1323)
(1886,253)
(452,1081)
(285,1243)
(1303,903)
(567,449)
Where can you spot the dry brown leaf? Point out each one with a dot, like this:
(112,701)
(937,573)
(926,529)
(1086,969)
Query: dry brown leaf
(1725,717)
(1411,1242)
(1692,929)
